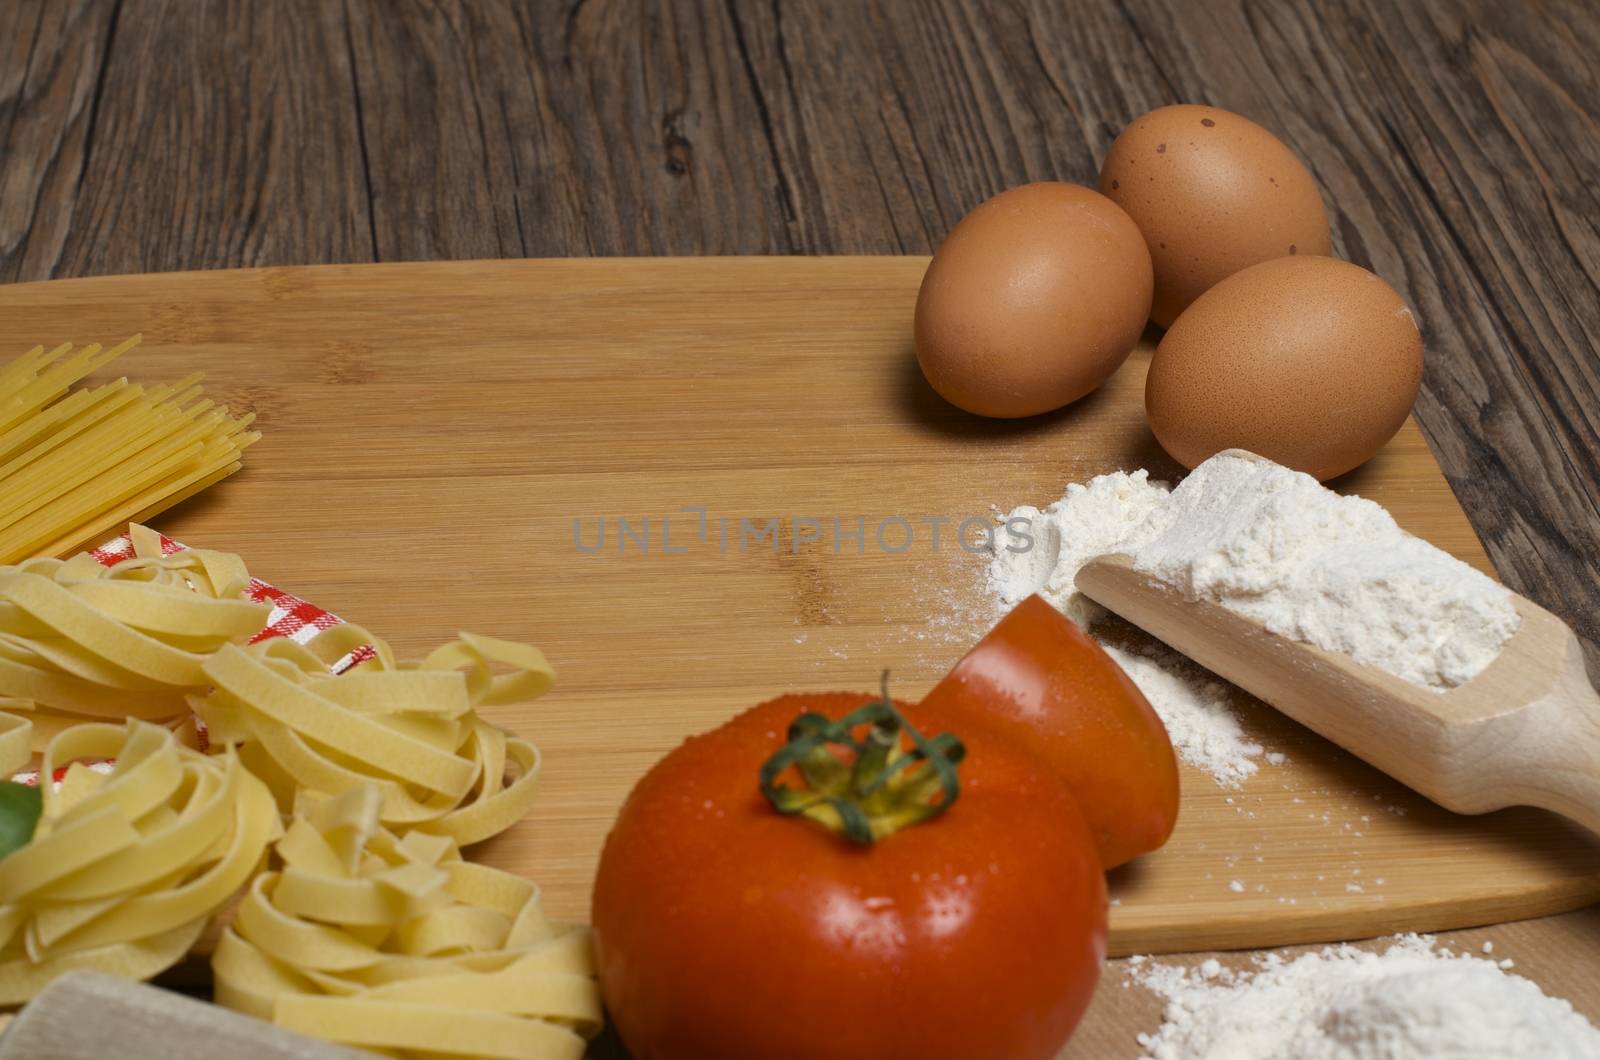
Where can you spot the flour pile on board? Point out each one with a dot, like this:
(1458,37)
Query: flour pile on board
(1410,1002)
(1040,550)
(1106,514)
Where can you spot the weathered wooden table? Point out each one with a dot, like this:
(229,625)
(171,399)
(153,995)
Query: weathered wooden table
(1458,145)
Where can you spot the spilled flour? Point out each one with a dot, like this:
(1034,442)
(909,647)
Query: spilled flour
(1103,515)
(1192,703)
(1040,550)
(1409,1002)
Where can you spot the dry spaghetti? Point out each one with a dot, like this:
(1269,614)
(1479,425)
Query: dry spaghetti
(397,944)
(76,463)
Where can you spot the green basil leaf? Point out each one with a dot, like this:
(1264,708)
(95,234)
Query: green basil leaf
(20,807)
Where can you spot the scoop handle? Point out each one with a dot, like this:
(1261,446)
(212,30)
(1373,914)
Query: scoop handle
(1561,770)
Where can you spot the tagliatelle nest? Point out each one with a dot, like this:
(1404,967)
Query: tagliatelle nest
(409,730)
(125,867)
(81,641)
(163,637)
(148,836)
(397,944)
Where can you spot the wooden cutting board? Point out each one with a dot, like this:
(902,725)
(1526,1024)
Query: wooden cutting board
(433,431)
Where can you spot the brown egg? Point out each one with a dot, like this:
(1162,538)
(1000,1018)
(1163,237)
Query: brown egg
(1032,301)
(1312,362)
(1213,193)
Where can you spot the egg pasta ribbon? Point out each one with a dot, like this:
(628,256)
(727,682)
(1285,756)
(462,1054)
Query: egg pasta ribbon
(81,641)
(396,944)
(164,638)
(409,730)
(126,867)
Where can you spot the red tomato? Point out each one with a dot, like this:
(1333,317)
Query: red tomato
(1039,680)
(728,931)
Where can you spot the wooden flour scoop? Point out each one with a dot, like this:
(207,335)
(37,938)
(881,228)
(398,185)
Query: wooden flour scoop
(1524,732)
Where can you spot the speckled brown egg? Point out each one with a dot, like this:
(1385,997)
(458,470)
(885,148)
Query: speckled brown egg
(1032,301)
(1309,361)
(1213,193)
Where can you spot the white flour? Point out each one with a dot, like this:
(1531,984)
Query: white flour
(1408,1003)
(1108,514)
(1088,521)
(1328,570)
(1193,704)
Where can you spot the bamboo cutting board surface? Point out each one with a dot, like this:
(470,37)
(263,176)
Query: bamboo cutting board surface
(433,431)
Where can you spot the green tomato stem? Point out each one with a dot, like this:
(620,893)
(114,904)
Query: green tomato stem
(878,786)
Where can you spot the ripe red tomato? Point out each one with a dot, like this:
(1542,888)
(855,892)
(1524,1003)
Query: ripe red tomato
(1039,680)
(725,930)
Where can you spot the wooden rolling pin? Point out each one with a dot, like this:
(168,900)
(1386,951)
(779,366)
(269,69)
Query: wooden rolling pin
(94,1016)
(1524,732)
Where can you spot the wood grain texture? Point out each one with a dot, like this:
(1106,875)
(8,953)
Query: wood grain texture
(195,132)
(1457,142)
(448,445)
(49,95)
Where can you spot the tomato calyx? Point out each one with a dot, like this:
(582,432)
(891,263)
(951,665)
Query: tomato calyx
(878,786)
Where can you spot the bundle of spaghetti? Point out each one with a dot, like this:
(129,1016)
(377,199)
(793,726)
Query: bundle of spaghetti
(125,867)
(398,945)
(410,730)
(82,641)
(76,463)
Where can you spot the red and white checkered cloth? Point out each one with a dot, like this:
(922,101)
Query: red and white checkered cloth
(290,617)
